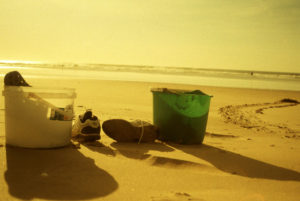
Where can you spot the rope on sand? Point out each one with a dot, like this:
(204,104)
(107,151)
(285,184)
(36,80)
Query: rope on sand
(142,133)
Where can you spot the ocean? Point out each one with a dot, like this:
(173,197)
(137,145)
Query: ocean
(178,75)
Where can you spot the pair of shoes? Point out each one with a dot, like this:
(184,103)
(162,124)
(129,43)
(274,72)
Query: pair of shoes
(124,131)
(86,128)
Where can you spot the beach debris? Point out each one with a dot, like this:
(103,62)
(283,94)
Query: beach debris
(182,194)
(288,100)
(292,136)
(177,196)
(220,135)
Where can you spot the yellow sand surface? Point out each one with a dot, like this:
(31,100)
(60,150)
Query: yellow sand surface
(250,151)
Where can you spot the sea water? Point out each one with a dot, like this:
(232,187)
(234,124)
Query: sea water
(178,75)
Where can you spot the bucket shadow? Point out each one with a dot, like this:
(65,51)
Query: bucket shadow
(55,174)
(237,164)
(97,146)
(139,151)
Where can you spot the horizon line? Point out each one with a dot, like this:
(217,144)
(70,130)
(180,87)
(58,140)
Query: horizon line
(36,63)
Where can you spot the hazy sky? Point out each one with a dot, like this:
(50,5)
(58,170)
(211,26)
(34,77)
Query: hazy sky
(234,34)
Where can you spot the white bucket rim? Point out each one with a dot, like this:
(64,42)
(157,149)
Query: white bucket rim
(44,92)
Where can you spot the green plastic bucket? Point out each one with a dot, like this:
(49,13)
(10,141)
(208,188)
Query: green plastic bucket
(181,116)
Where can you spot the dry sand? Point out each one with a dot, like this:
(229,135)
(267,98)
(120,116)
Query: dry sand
(250,153)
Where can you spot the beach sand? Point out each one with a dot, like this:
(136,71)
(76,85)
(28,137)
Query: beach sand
(250,152)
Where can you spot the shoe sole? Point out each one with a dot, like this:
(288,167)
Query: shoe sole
(123,131)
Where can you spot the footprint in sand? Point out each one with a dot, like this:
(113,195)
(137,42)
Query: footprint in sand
(247,115)
(179,196)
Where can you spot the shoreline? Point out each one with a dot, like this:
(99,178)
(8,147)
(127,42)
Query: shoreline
(146,68)
(251,82)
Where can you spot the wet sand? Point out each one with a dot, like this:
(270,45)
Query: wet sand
(250,151)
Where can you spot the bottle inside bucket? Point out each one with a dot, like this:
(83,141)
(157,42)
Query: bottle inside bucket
(180,115)
(38,117)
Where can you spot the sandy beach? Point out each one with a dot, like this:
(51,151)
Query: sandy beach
(250,151)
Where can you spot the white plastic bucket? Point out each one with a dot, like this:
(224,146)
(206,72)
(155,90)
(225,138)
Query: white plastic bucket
(38,117)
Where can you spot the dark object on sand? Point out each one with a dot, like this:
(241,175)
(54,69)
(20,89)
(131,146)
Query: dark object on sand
(14,78)
(124,131)
(288,100)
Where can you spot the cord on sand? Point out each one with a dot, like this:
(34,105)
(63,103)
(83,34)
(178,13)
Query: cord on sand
(142,133)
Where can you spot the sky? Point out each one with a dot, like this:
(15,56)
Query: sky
(220,34)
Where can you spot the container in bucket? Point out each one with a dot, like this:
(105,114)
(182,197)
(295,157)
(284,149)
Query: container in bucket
(38,117)
(180,115)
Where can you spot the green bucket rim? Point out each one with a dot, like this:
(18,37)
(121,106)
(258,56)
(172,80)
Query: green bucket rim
(178,91)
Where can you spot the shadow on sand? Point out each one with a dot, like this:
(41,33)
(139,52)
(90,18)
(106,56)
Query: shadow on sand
(97,146)
(237,164)
(139,151)
(55,174)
